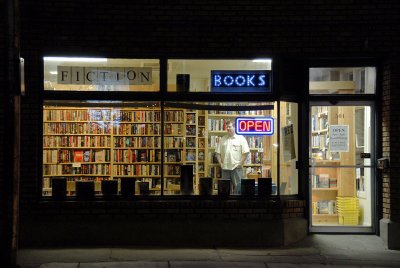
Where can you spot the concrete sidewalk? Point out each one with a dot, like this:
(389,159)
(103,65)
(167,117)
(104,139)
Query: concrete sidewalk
(315,251)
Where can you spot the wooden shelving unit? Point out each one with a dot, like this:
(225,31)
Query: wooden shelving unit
(109,143)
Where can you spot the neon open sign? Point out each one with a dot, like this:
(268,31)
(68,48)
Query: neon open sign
(241,81)
(255,126)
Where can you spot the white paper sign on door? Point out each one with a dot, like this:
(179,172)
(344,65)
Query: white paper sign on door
(289,152)
(339,138)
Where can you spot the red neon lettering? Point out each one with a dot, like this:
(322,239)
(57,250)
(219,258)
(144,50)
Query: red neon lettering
(258,126)
(250,124)
(242,125)
(254,125)
(267,125)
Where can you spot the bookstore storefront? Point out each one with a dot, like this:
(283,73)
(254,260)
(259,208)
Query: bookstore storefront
(150,129)
(146,144)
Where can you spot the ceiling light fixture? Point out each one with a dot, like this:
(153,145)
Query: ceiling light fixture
(263,60)
(74,59)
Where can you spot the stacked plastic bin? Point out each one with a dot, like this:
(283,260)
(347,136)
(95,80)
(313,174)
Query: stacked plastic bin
(348,210)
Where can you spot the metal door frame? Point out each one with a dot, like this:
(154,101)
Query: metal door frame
(347,229)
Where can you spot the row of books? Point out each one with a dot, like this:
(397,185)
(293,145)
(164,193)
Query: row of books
(136,170)
(173,129)
(258,112)
(324,207)
(172,170)
(191,155)
(319,140)
(191,142)
(135,155)
(70,169)
(77,128)
(77,156)
(255,157)
(173,116)
(173,142)
(217,124)
(136,116)
(137,142)
(172,155)
(77,115)
(191,130)
(77,141)
(136,129)
(323,181)
(117,115)
(319,122)
(190,118)
(255,142)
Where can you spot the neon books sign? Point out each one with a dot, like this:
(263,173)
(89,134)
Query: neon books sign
(255,126)
(241,81)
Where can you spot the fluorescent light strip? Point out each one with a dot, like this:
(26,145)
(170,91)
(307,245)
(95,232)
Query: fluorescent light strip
(262,60)
(74,59)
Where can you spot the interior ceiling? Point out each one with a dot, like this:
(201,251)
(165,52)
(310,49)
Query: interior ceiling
(194,67)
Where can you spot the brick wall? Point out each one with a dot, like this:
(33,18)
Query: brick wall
(390,139)
(386,139)
(208,27)
(168,222)
(394,178)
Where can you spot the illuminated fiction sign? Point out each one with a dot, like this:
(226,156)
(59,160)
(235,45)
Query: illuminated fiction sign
(255,126)
(241,81)
(79,75)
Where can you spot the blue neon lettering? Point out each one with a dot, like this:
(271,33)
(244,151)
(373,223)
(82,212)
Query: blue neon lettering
(242,82)
(262,80)
(250,80)
(217,80)
(230,82)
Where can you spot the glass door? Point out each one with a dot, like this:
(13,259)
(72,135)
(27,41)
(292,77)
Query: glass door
(341,169)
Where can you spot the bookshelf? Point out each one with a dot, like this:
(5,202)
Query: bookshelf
(137,145)
(324,183)
(174,140)
(76,146)
(202,159)
(112,143)
(191,144)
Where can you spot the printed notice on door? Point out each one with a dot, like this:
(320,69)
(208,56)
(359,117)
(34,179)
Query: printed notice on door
(289,152)
(339,138)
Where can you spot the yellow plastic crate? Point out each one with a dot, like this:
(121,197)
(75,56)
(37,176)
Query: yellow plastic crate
(348,210)
(348,219)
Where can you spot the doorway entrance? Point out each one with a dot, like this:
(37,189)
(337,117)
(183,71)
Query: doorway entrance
(341,170)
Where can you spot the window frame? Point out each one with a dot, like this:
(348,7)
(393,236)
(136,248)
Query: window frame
(164,96)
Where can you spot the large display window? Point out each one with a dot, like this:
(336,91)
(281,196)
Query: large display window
(164,147)
(148,144)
